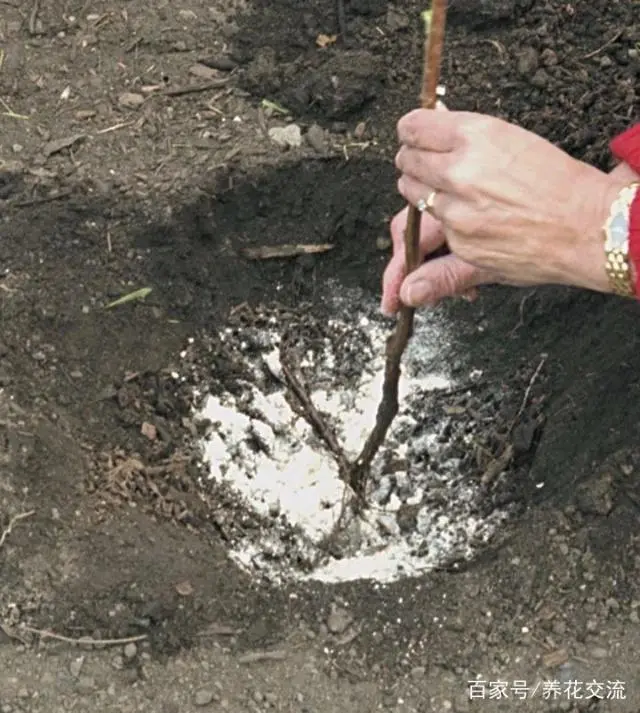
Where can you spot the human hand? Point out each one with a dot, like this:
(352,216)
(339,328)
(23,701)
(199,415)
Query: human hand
(447,276)
(513,208)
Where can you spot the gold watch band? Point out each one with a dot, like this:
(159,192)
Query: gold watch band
(616,243)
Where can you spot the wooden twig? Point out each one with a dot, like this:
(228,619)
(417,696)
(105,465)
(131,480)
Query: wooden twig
(45,199)
(16,518)
(274,252)
(314,418)
(83,641)
(33,18)
(195,88)
(604,46)
(435,22)
(527,393)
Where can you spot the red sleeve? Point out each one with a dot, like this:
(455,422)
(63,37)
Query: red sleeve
(626,147)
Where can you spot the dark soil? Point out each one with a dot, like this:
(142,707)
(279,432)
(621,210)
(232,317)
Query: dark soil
(113,179)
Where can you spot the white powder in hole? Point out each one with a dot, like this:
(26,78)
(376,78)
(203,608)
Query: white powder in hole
(270,457)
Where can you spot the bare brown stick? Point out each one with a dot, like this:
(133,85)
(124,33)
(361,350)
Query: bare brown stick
(397,342)
(527,393)
(194,88)
(314,418)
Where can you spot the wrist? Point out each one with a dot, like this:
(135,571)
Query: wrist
(582,259)
(606,256)
(625,173)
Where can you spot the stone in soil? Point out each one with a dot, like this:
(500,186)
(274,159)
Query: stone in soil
(204,697)
(338,620)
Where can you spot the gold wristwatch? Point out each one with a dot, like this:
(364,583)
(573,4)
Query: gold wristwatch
(616,243)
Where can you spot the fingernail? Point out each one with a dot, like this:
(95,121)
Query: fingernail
(415,293)
(384,311)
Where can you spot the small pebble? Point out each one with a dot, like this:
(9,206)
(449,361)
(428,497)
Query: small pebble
(418,672)
(286,136)
(599,653)
(204,697)
(338,620)
(528,61)
(118,662)
(130,651)
(316,138)
(271,699)
(612,604)
(76,666)
(540,79)
(130,100)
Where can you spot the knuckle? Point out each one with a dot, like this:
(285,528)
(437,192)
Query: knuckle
(409,125)
(461,175)
(398,159)
(403,187)
(463,223)
(397,223)
(478,125)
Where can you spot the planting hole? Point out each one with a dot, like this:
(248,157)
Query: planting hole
(423,511)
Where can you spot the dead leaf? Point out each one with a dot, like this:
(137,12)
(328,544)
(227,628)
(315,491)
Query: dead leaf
(215,629)
(325,40)
(58,145)
(184,589)
(256,656)
(202,71)
(497,465)
(149,430)
(555,658)
(269,252)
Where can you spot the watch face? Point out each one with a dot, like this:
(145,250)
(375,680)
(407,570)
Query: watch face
(618,233)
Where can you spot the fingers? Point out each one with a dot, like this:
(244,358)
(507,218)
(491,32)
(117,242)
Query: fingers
(446,276)
(414,190)
(431,238)
(427,167)
(432,129)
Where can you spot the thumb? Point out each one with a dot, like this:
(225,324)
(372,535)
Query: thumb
(447,276)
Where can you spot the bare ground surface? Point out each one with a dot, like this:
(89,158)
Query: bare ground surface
(114,177)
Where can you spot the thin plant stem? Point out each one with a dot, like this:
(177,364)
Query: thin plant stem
(357,476)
